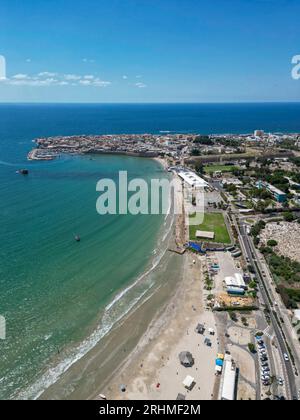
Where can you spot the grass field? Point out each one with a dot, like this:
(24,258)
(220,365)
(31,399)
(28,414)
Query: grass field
(213,222)
(210,169)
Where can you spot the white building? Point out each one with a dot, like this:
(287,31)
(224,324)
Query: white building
(228,380)
(297,315)
(259,133)
(2,68)
(236,281)
(192,179)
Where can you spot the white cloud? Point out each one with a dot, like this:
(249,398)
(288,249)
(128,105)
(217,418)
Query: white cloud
(94,82)
(101,83)
(20,76)
(125,77)
(47,74)
(88,60)
(85,82)
(140,85)
(72,77)
(55,79)
(28,60)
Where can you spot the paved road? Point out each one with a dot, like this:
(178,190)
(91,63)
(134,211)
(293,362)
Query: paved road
(250,253)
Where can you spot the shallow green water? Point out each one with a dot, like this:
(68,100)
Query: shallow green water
(54,291)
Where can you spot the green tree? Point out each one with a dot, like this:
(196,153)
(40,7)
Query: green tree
(199,168)
(272,243)
(251,347)
(288,216)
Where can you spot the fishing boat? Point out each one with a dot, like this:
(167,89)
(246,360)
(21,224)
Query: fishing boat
(77,238)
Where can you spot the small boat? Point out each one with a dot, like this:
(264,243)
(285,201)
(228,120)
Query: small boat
(23,172)
(77,238)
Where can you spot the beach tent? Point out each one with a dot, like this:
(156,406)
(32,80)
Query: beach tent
(180,397)
(220,356)
(211,331)
(189,382)
(200,329)
(186,359)
(207,342)
(219,362)
(219,369)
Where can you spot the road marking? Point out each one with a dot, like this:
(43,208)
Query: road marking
(267,334)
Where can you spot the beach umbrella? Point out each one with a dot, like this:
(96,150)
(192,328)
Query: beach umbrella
(186,359)
(123,388)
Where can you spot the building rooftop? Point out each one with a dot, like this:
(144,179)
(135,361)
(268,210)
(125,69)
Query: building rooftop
(229,378)
(205,235)
(192,179)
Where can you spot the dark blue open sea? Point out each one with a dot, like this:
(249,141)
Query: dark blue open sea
(60,297)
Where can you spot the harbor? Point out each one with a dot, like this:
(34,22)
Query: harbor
(41,154)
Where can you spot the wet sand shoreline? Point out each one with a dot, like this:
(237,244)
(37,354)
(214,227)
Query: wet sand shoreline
(152,371)
(90,375)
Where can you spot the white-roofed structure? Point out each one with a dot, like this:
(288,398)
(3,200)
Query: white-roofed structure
(192,179)
(205,235)
(189,382)
(236,281)
(297,314)
(228,380)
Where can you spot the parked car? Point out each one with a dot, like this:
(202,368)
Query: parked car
(280,381)
(286,357)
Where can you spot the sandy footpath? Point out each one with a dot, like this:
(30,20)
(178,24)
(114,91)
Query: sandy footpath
(153,370)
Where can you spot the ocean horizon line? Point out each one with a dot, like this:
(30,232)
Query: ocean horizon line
(154,103)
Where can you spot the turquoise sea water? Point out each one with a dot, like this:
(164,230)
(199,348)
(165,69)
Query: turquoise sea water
(60,297)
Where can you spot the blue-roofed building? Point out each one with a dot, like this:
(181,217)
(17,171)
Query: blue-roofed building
(196,247)
(277,194)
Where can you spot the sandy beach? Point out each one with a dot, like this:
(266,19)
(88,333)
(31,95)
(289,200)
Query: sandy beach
(153,370)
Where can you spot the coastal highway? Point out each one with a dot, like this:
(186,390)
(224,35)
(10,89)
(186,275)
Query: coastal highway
(288,367)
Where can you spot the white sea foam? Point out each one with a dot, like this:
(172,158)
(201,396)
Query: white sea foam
(7,163)
(47,337)
(139,279)
(53,374)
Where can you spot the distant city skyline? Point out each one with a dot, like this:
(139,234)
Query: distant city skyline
(130,51)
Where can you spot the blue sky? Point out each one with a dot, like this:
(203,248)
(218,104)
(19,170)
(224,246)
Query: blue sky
(149,50)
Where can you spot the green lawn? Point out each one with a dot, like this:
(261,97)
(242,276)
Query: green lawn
(213,222)
(210,169)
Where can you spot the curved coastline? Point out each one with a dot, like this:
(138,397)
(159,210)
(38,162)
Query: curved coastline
(63,372)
